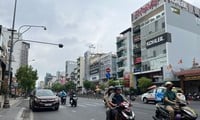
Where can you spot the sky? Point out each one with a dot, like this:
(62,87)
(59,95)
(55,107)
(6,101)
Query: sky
(74,23)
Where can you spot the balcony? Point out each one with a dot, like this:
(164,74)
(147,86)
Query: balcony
(120,38)
(138,60)
(137,50)
(136,29)
(121,48)
(136,38)
(137,70)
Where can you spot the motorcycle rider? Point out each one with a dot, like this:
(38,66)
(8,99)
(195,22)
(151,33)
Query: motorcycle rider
(63,94)
(170,99)
(106,98)
(71,95)
(115,99)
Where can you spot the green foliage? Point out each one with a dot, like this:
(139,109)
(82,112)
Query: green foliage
(115,82)
(70,86)
(144,83)
(26,77)
(102,86)
(57,87)
(88,85)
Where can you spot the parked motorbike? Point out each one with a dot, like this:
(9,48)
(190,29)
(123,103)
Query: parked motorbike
(182,112)
(63,100)
(73,100)
(124,112)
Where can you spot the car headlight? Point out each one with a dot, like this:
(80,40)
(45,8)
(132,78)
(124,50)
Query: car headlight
(37,100)
(56,99)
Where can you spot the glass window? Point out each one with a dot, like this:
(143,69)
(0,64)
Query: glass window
(163,24)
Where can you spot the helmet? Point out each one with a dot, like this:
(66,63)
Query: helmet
(111,87)
(118,87)
(168,83)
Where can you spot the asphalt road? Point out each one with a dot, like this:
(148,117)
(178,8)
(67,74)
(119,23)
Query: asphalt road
(87,109)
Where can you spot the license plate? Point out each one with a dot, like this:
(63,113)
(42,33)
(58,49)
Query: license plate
(47,104)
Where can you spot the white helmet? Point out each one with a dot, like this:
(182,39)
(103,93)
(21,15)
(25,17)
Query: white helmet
(168,83)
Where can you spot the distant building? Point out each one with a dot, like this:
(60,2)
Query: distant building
(108,62)
(125,57)
(69,68)
(80,71)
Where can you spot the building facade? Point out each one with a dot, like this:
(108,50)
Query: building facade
(124,53)
(80,71)
(69,68)
(164,32)
(108,62)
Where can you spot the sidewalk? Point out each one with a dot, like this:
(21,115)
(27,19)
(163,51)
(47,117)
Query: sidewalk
(12,101)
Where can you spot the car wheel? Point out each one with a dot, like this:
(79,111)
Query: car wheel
(145,100)
(56,107)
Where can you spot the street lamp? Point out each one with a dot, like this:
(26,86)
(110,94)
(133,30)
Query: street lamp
(6,100)
(27,28)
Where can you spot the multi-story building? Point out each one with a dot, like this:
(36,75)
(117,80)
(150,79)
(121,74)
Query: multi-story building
(108,62)
(69,68)
(124,52)
(87,65)
(125,57)
(3,54)
(165,31)
(80,71)
(20,49)
(95,67)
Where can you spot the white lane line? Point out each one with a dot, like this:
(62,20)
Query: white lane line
(91,104)
(31,115)
(19,114)
(1,115)
(82,105)
(73,111)
(92,119)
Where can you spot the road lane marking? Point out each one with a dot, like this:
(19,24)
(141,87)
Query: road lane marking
(31,115)
(73,111)
(82,105)
(19,114)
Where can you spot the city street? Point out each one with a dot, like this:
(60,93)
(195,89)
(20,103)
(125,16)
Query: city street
(87,109)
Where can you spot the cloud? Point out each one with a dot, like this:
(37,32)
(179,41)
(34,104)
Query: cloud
(74,23)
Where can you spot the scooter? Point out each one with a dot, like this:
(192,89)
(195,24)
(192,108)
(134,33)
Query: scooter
(73,100)
(63,100)
(125,112)
(182,112)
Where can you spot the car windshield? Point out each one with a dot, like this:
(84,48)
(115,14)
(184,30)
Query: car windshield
(44,93)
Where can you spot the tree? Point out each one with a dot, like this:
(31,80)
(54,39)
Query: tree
(144,83)
(70,86)
(57,87)
(87,84)
(26,77)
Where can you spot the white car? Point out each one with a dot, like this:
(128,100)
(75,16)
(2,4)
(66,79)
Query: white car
(153,95)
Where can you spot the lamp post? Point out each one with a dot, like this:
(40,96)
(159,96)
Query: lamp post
(6,100)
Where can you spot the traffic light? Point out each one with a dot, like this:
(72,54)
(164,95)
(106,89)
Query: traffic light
(60,45)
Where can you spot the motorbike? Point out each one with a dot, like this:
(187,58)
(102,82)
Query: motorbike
(182,112)
(63,100)
(124,112)
(73,100)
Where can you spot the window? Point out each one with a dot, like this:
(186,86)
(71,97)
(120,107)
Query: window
(156,26)
(164,51)
(163,24)
(158,16)
(154,53)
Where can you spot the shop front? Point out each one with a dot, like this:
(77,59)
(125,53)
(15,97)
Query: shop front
(190,80)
